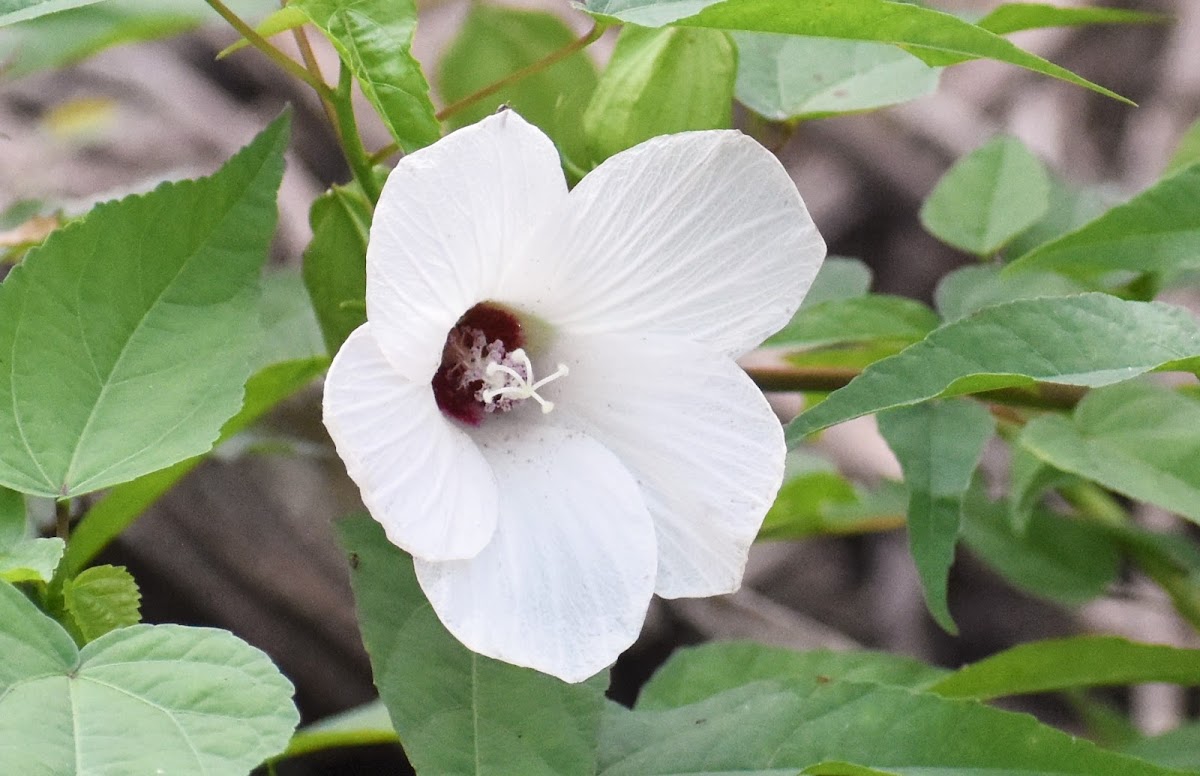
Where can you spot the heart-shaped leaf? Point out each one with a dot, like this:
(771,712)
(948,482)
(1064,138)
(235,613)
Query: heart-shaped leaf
(145,699)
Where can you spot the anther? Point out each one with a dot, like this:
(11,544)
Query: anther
(514,385)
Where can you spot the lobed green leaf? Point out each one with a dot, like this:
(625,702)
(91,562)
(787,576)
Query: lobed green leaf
(142,699)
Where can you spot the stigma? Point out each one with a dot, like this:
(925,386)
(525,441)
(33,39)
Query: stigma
(485,368)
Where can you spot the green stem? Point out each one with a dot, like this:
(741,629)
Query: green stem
(1100,506)
(62,519)
(551,59)
(313,67)
(347,125)
(547,61)
(292,67)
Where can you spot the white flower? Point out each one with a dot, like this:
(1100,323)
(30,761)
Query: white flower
(544,408)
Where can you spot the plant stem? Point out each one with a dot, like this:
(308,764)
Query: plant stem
(356,154)
(313,67)
(547,61)
(275,55)
(62,519)
(1100,506)
(551,59)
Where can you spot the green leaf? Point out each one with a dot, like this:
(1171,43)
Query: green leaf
(335,262)
(126,338)
(374,39)
(1014,17)
(1178,749)
(458,712)
(1187,152)
(976,286)
(61,39)
(290,328)
(144,699)
(775,728)
(99,600)
(280,20)
(126,502)
(12,518)
(938,445)
(926,33)
(1052,557)
(694,674)
(1061,664)
(988,197)
(1029,479)
(1070,208)
(495,42)
(857,319)
(838,278)
(1156,231)
(24,559)
(12,11)
(1086,340)
(364,725)
(1137,439)
(817,501)
(660,81)
(788,77)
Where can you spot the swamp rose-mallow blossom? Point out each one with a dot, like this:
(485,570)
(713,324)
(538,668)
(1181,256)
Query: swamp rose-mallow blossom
(543,407)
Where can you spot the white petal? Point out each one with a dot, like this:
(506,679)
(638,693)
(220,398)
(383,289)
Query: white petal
(701,235)
(565,583)
(697,434)
(450,217)
(420,475)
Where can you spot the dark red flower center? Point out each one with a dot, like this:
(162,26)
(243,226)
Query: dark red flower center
(485,334)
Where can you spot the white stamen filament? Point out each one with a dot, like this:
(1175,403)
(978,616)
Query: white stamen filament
(514,385)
